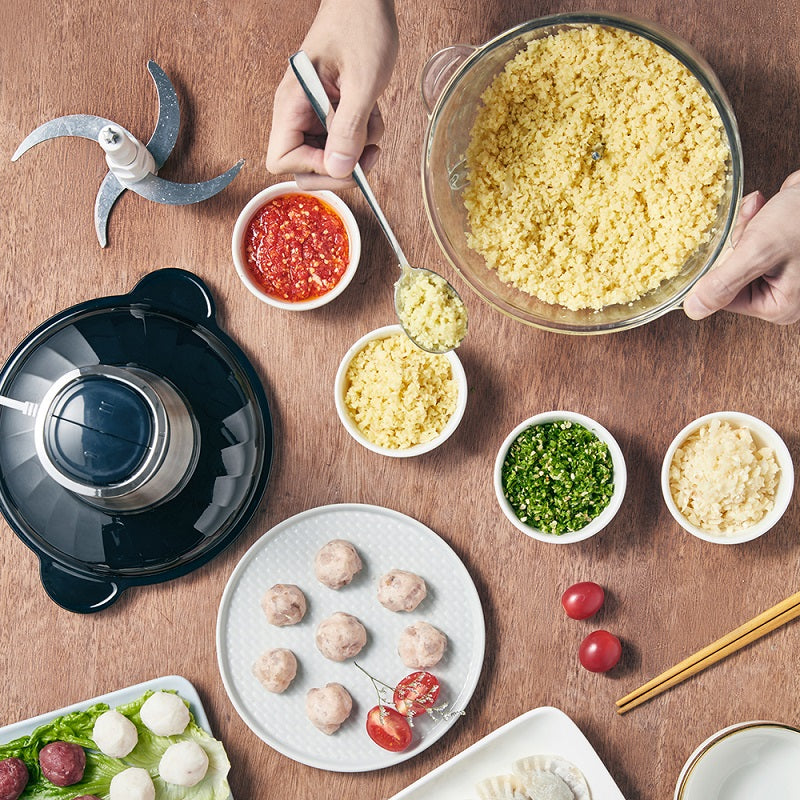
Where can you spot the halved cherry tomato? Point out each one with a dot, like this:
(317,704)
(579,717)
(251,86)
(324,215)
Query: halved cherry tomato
(583,600)
(388,728)
(600,651)
(416,693)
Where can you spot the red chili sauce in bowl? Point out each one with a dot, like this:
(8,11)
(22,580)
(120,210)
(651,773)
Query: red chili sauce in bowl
(296,247)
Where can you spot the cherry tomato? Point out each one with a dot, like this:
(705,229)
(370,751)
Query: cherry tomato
(388,728)
(583,600)
(600,651)
(416,693)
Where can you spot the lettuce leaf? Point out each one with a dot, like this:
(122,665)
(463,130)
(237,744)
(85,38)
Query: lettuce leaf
(77,727)
(151,747)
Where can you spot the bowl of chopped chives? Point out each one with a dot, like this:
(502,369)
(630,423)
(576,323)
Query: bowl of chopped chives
(560,477)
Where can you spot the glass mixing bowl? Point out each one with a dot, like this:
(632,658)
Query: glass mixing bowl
(452,83)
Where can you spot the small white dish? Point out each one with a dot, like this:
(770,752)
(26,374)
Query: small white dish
(246,216)
(340,389)
(618,464)
(764,435)
(749,760)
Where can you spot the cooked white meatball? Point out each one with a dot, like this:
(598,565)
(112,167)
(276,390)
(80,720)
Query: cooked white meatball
(165,714)
(329,707)
(275,669)
(340,636)
(336,564)
(421,646)
(183,763)
(114,734)
(133,783)
(284,604)
(399,590)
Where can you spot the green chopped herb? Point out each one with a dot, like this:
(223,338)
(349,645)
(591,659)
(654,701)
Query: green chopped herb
(558,476)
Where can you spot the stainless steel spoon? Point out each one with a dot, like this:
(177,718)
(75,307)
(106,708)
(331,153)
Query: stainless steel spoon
(320,102)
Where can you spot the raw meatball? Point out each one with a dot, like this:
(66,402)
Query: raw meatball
(13,778)
(340,637)
(275,669)
(329,707)
(399,590)
(421,646)
(336,564)
(284,604)
(114,734)
(165,714)
(62,763)
(183,763)
(133,783)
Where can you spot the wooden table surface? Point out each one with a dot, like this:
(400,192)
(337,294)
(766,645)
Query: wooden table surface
(669,594)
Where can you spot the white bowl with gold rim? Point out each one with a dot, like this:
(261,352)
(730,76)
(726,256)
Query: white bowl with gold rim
(746,761)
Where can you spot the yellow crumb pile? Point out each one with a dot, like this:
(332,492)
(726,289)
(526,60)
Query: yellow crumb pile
(596,166)
(432,314)
(398,395)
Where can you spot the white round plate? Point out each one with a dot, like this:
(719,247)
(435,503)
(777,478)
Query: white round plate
(385,540)
(745,761)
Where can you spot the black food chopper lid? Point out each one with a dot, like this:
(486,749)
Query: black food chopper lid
(146,445)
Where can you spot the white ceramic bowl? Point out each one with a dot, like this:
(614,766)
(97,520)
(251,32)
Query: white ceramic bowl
(605,516)
(247,214)
(351,427)
(764,435)
(742,762)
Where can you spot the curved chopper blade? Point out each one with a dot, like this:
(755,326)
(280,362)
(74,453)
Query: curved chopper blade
(181,194)
(160,145)
(108,194)
(165,133)
(87,126)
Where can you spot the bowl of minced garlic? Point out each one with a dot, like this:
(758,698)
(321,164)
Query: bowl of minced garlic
(727,477)
(395,398)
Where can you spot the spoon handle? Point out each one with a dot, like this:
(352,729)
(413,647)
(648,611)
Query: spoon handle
(320,102)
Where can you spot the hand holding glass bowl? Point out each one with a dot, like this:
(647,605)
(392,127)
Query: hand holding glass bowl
(453,82)
(261,272)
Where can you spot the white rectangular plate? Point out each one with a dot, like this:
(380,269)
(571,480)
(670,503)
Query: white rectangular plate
(544,730)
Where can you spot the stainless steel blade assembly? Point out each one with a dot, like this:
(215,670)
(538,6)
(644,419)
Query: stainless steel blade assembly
(133,165)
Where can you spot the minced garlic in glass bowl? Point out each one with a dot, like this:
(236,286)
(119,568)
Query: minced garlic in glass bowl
(509,221)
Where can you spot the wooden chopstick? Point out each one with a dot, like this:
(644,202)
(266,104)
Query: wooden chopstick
(759,626)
